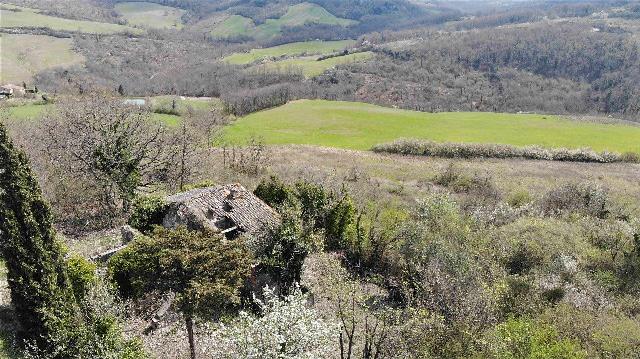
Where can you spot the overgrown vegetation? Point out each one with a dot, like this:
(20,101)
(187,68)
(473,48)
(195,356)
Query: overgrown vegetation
(500,235)
(50,297)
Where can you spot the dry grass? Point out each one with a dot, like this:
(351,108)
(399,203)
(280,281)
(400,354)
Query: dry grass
(400,180)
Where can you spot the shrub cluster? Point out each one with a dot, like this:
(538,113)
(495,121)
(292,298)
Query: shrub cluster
(582,198)
(475,150)
(147,212)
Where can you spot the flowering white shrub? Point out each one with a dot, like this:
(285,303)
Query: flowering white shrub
(288,328)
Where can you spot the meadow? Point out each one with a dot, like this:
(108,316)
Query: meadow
(183,103)
(26,17)
(23,56)
(317,47)
(359,126)
(151,15)
(234,25)
(311,67)
(34,111)
(296,15)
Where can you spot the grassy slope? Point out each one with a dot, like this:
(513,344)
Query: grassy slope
(360,126)
(234,25)
(296,15)
(22,56)
(31,18)
(317,47)
(150,14)
(32,111)
(311,67)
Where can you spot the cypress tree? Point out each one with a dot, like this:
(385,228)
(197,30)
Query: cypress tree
(40,291)
(54,322)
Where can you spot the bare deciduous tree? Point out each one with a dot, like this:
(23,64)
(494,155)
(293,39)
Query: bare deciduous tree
(118,146)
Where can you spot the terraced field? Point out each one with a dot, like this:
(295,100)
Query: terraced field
(150,15)
(15,17)
(23,56)
(359,126)
(296,15)
(311,67)
(317,47)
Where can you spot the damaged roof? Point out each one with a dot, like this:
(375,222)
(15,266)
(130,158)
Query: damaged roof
(225,208)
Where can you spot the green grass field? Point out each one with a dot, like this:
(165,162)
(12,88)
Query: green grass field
(22,56)
(296,15)
(317,47)
(182,104)
(360,126)
(26,17)
(150,15)
(234,25)
(33,111)
(26,112)
(310,67)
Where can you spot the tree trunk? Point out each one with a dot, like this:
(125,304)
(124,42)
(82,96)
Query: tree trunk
(192,344)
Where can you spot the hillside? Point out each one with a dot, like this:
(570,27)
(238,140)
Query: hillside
(21,17)
(296,15)
(151,15)
(288,50)
(23,56)
(319,179)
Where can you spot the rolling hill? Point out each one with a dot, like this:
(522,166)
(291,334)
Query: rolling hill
(23,56)
(296,15)
(21,17)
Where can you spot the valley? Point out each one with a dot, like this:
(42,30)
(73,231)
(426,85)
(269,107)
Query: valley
(298,179)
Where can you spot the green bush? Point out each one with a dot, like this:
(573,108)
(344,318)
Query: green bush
(283,250)
(148,211)
(602,334)
(523,338)
(82,275)
(128,267)
(201,184)
(314,202)
(519,198)
(341,220)
(273,191)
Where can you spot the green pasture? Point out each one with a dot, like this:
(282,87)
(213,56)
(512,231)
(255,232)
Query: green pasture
(317,47)
(360,126)
(150,15)
(35,111)
(23,56)
(26,17)
(234,25)
(183,103)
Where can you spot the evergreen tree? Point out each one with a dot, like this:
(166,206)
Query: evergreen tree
(203,269)
(40,291)
(55,322)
